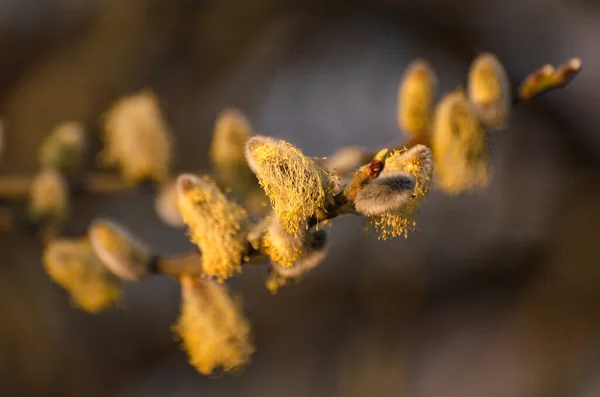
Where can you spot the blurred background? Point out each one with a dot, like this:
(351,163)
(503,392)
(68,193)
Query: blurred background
(497,295)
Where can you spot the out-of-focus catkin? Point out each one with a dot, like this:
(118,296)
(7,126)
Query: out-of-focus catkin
(231,132)
(416,96)
(295,184)
(489,91)
(217,225)
(212,327)
(121,252)
(166,205)
(137,139)
(74,266)
(64,149)
(460,147)
(49,198)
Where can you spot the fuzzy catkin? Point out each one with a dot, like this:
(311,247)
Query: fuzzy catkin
(460,147)
(416,96)
(231,132)
(217,225)
(73,265)
(211,326)
(296,186)
(137,139)
(489,91)
(418,162)
(49,198)
(119,250)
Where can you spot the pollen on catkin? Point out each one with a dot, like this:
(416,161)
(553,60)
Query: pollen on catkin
(137,139)
(489,91)
(121,253)
(296,186)
(417,162)
(460,147)
(64,149)
(282,247)
(217,225)
(212,327)
(73,265)
(49,198)
(416,96)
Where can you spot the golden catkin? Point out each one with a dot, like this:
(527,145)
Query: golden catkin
(460,147)
(489,91)
(416,96)
(217,225)
(418,162)
(119,250)
(296,186)
(282,247)
(64,149)
(49,198)
(74,266)
(137,139)
(232,131)
(212,328)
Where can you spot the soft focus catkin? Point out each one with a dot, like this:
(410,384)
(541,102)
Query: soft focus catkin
(460,147)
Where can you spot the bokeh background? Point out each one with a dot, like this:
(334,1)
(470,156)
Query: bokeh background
(497,295)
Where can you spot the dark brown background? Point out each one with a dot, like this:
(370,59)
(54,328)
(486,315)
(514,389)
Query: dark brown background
(497,295)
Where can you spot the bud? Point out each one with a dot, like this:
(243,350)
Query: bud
(137,139)
(119,250)
(218,226)
(295,184)
(211,326)
(416,96)
(166,205)
(460,146)
(388,192)
(313,250)
(547,78)
(417,162)
(73,265)
(489,91)
(49,198)
(64,149)
(231,132)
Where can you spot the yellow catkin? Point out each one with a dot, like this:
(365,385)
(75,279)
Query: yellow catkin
(460,147)
(489,91)
(137,139)
(120,252)
(282,247)
(49,198)
(418,162)
(217,225)
(74,266)
(231,132)
(65,148)
(296,186)
(212,328)
(416,96)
